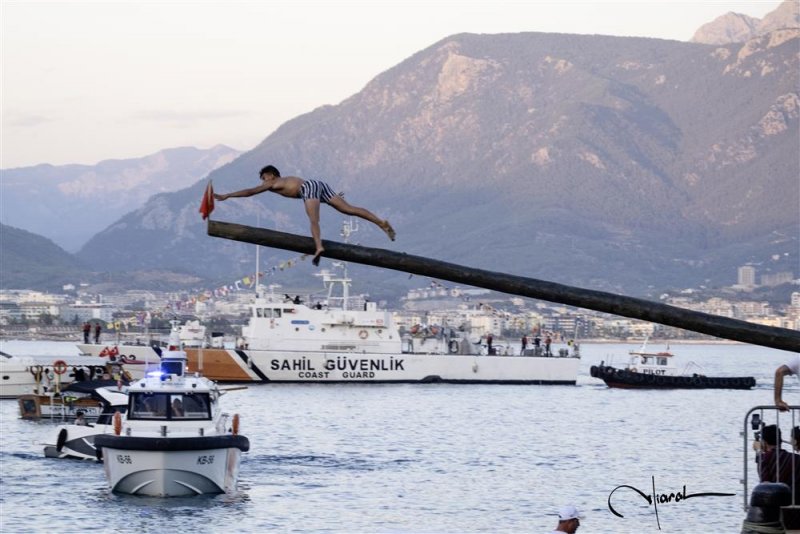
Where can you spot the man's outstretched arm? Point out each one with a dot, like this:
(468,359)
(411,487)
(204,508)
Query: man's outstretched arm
(244,192)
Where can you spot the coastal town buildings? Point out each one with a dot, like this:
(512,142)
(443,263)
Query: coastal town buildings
(478,311)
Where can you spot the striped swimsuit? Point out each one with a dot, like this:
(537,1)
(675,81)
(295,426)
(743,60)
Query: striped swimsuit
(316,189)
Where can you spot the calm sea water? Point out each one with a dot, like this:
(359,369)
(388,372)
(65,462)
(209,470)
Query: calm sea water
(433,458)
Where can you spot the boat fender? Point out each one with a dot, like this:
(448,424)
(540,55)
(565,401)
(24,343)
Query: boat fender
(117,423)
(235,425)
(60,367)
(363,334)
(474,367)
(61,440)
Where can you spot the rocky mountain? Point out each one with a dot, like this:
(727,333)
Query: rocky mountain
(737,28)
(71,203)
(616,163)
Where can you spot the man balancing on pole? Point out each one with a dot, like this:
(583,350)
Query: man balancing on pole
(312,192)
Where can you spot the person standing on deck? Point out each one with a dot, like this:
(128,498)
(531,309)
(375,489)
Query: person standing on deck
(313,192)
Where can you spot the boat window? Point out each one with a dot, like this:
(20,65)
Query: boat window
(162,406)
(644,359)
(662,361)
(172,367)
(259,312)
(191,406)
(148,406)
(107,418)
(276,312)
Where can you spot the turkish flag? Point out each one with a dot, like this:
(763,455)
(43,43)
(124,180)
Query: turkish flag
(207,204)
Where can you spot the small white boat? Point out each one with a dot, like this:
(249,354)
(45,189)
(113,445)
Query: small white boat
(174,439)
(76,441)
(38,374)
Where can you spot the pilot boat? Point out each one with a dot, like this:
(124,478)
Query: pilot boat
(174,440)
(657,370)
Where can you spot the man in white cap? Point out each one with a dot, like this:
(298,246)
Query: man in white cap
(568,520)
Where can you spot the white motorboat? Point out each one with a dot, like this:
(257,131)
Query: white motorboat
(76,441)
(38,374)
(174,439)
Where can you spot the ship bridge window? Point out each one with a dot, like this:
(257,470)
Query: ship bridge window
(662,361)
(259,312)
(644,359)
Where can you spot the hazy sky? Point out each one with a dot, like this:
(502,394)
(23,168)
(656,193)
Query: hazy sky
(88,81)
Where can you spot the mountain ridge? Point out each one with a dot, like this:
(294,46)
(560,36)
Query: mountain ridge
(40,198)
(553,134)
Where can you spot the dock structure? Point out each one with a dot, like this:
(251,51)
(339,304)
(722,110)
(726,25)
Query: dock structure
(655,312)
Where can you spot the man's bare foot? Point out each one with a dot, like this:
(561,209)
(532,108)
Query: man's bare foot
(317,256)
(386,227)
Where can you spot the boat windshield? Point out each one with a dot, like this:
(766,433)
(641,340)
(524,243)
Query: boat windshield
(172,406)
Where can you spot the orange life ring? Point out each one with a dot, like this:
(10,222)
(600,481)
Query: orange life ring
(235,425)
(113,352)
(117,423)
(363,334)
(104,352)
(60,367)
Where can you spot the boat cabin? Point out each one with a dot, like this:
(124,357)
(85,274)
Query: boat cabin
(652,363)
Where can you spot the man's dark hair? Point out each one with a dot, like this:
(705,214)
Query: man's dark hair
(270,170)
(772,435)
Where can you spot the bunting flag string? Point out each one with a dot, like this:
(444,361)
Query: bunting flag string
(245,283)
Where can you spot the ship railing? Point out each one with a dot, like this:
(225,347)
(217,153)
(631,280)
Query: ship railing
(788,422)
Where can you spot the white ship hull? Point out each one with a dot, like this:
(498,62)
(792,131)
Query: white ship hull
(228,365)
(172,473)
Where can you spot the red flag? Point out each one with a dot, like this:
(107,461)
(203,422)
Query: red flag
(207,204)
